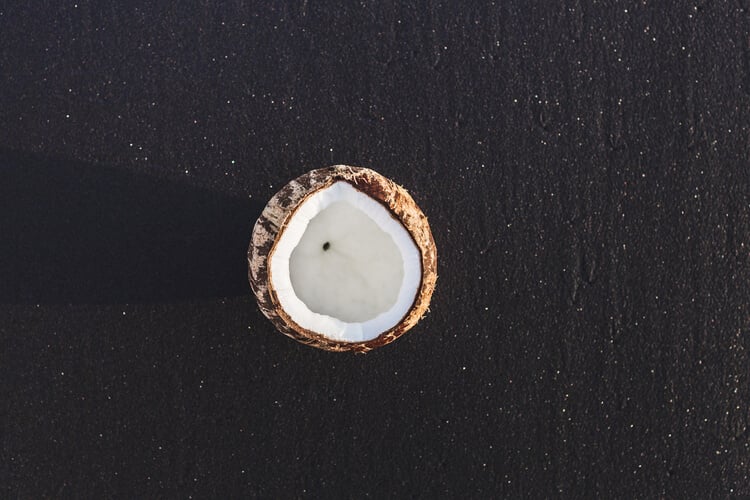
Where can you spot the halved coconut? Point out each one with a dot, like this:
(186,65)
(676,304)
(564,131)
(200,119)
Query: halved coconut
(343,259)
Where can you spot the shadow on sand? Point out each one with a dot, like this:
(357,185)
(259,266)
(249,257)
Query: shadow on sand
(72,232)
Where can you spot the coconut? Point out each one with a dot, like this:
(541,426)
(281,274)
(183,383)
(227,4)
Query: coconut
(342,259)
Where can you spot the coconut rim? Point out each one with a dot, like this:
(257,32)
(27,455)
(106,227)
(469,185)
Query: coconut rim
(398,204)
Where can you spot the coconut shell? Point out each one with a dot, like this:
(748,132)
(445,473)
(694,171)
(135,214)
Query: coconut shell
(280,210)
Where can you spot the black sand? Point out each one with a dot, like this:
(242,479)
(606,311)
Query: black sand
(585,171)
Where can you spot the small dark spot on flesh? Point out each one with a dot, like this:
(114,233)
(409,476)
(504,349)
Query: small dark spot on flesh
(326,245)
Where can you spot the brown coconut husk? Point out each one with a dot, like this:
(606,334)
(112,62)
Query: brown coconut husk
(281,208)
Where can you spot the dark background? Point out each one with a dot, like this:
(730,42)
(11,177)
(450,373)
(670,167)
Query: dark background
(584,166)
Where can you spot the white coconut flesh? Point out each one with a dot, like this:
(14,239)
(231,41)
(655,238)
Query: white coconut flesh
(344,267)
